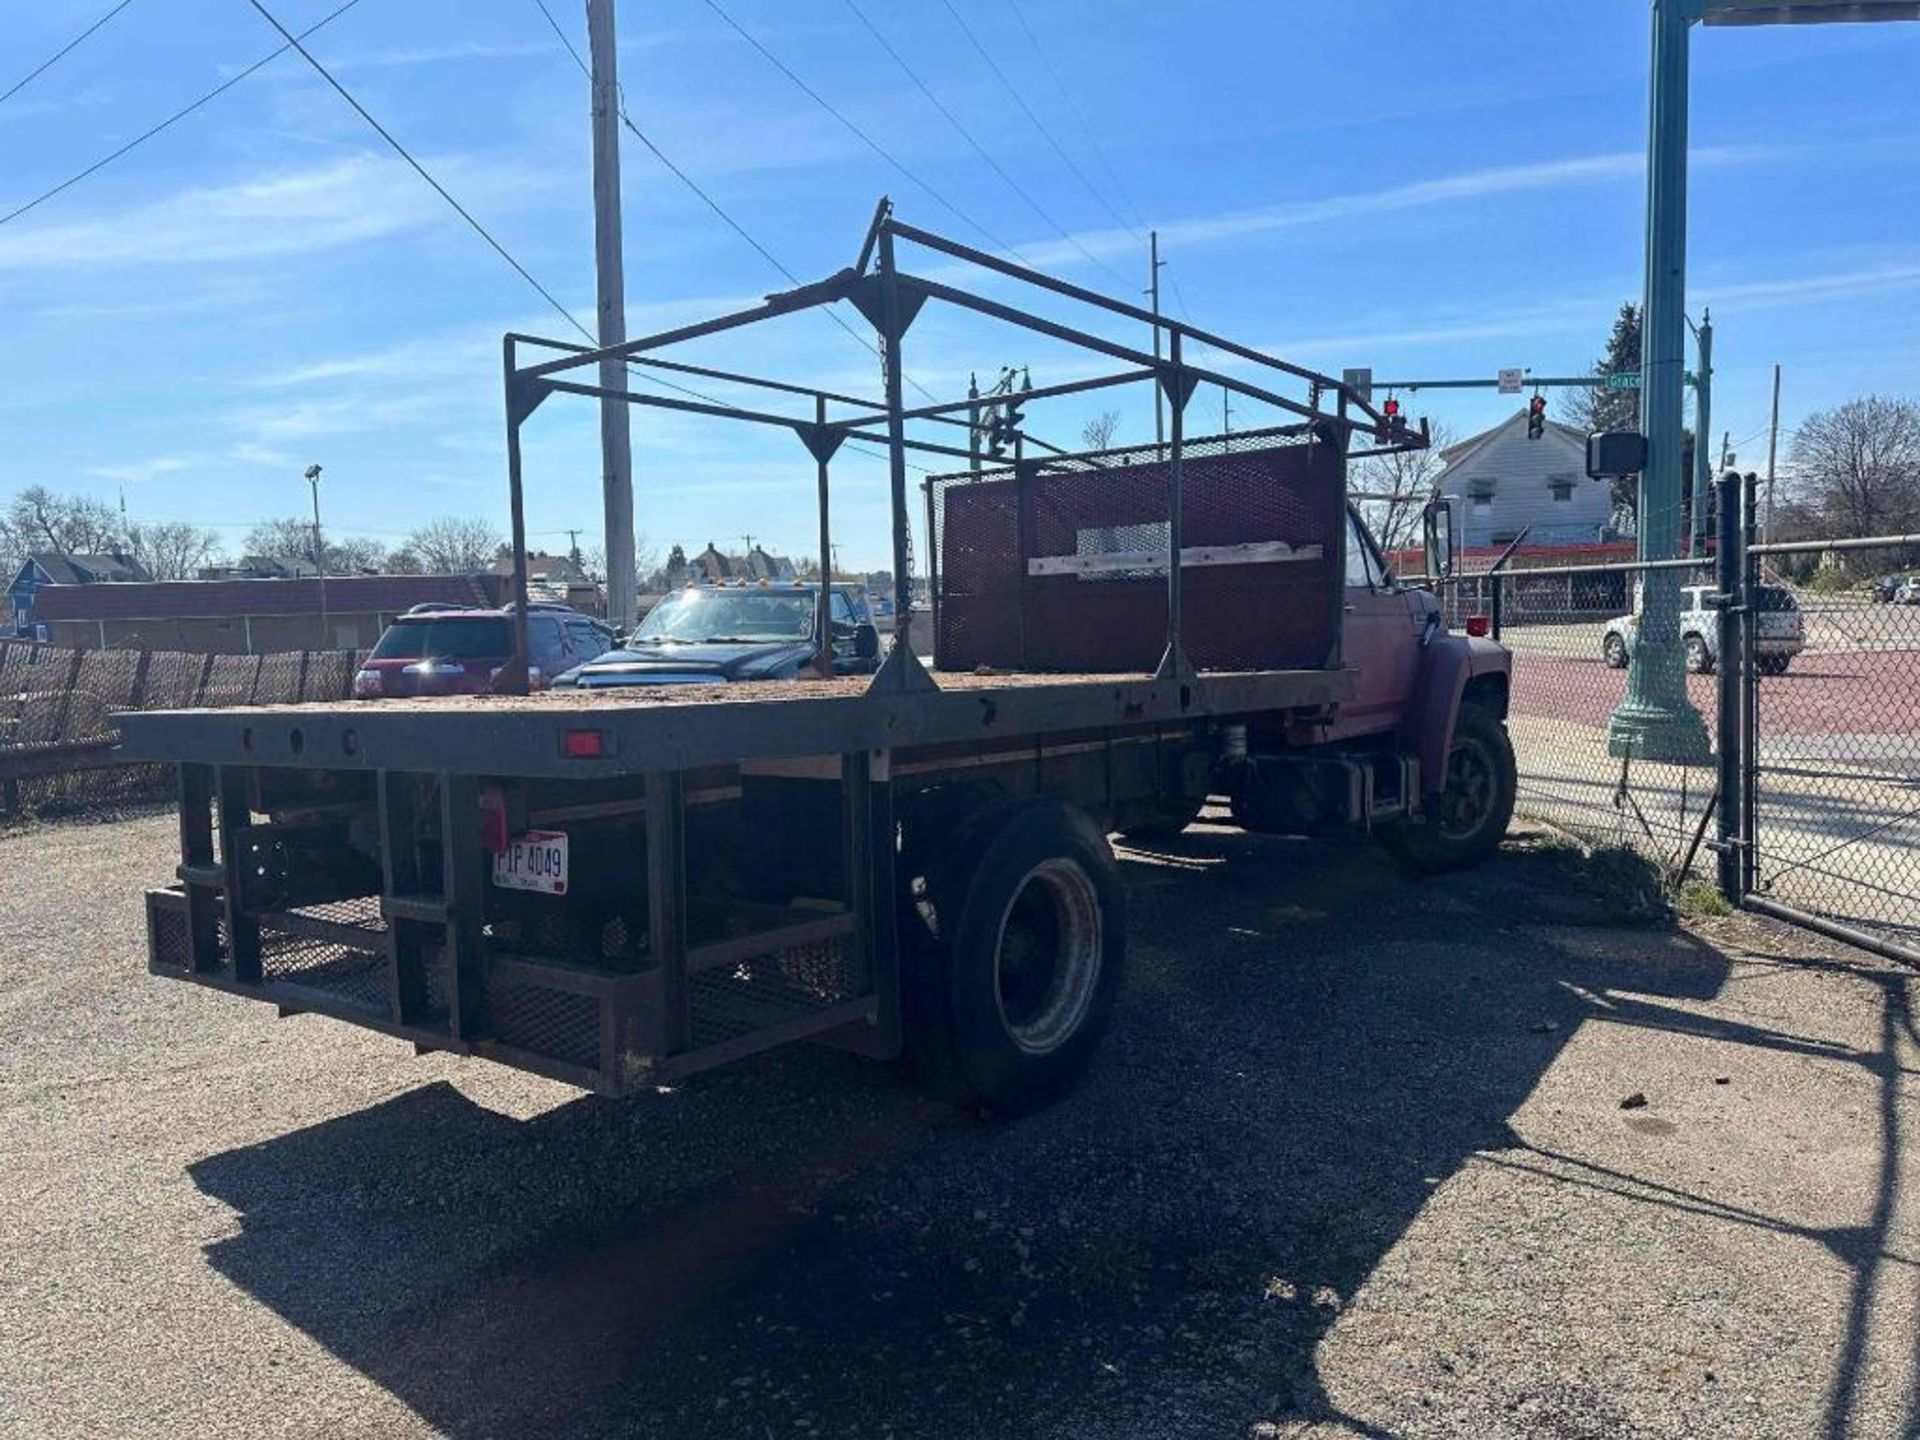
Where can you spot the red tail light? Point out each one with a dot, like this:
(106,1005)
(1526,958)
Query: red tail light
(493,821)
(582,745)
(1479,625)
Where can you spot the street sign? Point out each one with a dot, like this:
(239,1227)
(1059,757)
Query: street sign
(1510,379)
(1359,379)
(1624,380)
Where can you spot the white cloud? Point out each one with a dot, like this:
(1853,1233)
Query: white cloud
(1480,184)
(137,471)
(363,197)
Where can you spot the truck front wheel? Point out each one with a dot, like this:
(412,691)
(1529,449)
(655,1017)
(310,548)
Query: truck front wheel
(1466,820)
(1007,1004)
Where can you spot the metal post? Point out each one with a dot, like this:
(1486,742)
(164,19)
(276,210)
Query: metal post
(973,426)
(1153,289)
(616,450)
(1773,446)
(513,678)
(824,613)
(1749,699)
(319,555)
(901,670)
(1656,721)
(1729,567)
(1702,422)
(1173,662)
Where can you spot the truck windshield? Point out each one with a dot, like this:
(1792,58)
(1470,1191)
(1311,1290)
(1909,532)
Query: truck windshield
(480,637)
(697,615)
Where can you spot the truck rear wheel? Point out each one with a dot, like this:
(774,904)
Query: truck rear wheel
(1465,822)
(1007,1004)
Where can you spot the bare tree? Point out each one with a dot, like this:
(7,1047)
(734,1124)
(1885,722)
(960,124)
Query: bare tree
(1398,485)
(1097,433)
(1858,466)
(38,519)
(455,544)
(172,549)
(291,542)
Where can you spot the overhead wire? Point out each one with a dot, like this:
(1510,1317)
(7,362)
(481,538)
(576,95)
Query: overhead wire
(1071,239)
(175,117)
(1038,124)
(719,210)
(1065,92)
(58,55)
(861,135)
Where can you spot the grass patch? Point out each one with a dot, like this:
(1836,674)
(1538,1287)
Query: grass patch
(1701,899)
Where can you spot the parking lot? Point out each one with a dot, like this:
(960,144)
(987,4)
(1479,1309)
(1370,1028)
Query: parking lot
(1362,1157)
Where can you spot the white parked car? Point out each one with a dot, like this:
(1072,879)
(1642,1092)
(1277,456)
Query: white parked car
(1780,634)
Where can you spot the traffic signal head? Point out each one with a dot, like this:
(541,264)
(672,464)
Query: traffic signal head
(1536,417)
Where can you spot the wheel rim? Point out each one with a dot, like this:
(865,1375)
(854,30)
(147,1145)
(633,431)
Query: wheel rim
(1473,785)
(1696,655)
(1616,651)
(1047,960)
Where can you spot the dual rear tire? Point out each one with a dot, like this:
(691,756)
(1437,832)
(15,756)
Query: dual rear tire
(1008,982)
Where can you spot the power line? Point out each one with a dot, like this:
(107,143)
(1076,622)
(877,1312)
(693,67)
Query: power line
(55,58)
(714,205)
(861,135)
(1038,124)
(1061,89)
(978,148)
(178,115)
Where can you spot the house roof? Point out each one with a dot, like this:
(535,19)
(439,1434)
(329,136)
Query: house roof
(64,569)
(1459,454)
(231,599)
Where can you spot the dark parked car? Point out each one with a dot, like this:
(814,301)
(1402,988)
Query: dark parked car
(722,634)
(443,651)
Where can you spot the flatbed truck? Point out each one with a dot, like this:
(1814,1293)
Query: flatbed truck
(617,888)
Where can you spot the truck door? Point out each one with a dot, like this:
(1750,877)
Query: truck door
(1381,639)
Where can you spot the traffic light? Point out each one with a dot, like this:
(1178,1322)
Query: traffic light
(1393,424)
(1536,417)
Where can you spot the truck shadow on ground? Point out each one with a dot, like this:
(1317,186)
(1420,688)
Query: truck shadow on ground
(1307,1047)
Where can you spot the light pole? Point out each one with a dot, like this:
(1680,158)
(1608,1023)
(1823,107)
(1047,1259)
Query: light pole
(1656,721)
(319,553)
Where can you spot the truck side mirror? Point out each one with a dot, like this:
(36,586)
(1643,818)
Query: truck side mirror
(865,636)
(1437,528)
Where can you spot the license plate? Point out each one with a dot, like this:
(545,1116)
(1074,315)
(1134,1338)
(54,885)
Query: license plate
(536,860)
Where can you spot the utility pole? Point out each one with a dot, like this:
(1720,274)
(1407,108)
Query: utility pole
(616,448)
(1773,446)
(1226,411)
(1656,721)
(1154,262)
(1702,424)
(973,423)
(319,553)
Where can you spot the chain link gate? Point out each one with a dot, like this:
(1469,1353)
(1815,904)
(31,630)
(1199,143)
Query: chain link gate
(1829,831)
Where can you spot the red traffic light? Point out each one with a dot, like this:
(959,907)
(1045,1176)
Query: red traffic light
(1538,405)
(1390,409)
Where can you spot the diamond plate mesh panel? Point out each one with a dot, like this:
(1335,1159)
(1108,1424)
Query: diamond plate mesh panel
(1034,571)
(732,1001)
(556,1023)
(168,940)
(358,977)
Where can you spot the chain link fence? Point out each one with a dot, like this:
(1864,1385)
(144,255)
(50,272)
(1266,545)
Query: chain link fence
(57,707)
(1834,763)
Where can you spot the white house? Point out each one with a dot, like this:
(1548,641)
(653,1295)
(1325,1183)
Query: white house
(1504,483)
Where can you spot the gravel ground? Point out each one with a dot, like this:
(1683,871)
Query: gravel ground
(1354,1162)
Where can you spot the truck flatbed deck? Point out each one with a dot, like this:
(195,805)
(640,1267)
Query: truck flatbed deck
(679,727)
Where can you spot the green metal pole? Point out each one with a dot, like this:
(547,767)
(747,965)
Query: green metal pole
(1656,721)
(1702,427)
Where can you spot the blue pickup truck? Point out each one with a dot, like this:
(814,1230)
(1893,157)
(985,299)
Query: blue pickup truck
(739,632)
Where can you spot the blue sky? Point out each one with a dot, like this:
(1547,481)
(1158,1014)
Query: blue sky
(1428,189)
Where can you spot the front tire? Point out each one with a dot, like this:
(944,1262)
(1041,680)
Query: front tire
(1613,650)
(1699,662)
(1464,824)
(1773,664)
(1008,1001)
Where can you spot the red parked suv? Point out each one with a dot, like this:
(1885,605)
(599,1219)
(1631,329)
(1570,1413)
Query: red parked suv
(446,650)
